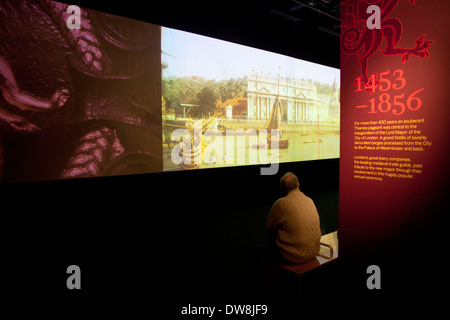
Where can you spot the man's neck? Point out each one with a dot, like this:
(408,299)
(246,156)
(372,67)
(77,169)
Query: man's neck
(294,191)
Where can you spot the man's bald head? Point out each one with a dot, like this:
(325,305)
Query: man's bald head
(289,182)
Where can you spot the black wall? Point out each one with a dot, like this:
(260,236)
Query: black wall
(188,233)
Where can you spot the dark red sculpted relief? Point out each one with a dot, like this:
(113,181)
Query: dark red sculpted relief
(77,102)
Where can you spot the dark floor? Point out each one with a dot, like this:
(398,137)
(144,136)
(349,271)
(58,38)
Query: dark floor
(185,236)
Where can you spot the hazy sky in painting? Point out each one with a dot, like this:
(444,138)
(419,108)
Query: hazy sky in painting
(188,54)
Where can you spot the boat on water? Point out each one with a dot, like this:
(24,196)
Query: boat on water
(190,153)
(273,123)
(313,140)
(259,146)
(282,143)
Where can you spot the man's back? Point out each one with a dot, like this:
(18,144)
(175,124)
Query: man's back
(295,223)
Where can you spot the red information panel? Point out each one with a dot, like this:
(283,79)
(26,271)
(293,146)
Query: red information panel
(395,118)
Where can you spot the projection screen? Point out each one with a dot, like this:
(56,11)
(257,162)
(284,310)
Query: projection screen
(85,93)
(225,104)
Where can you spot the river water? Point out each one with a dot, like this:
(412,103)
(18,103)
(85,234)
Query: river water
(221,150)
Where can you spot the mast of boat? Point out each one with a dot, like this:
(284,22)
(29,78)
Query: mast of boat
(318,132)
(278,93)
(278,97)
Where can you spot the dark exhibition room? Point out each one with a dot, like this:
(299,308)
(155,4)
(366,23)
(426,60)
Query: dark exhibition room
(272,159)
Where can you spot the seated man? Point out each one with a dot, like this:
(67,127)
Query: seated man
(294,223)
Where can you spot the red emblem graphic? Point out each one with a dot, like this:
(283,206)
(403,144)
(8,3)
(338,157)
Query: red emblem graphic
(357,38)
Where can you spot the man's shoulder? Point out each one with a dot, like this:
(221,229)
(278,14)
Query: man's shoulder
(299,194)
(292,198)
(299,199)
(279,203)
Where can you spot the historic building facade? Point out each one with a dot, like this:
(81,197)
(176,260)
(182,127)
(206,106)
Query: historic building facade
(300,100)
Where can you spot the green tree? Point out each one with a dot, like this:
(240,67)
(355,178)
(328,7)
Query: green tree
(207,98)
(228,89)
(171,91)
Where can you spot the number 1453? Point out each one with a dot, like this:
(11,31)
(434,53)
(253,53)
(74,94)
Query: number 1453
(399,103)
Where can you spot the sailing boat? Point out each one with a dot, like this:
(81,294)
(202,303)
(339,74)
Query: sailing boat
(274,123)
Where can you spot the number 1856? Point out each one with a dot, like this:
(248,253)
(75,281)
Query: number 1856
(399,103)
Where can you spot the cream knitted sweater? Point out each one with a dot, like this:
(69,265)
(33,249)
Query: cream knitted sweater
(294,222)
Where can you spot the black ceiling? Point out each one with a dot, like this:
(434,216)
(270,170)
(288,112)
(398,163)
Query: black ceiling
(318,14)
(306,29)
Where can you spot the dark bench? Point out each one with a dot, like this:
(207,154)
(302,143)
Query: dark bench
(281,280)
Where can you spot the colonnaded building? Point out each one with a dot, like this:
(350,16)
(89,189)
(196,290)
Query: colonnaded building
(300,101)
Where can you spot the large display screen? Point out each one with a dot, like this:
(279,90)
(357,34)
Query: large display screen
(226,104)
(86,94)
